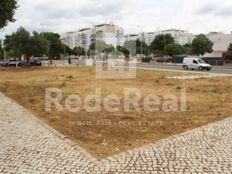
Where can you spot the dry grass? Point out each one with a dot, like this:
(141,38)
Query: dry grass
(209,100)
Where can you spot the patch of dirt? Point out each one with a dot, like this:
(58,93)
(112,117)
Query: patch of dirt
(103,133)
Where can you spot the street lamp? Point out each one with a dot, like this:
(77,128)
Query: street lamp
(43,27)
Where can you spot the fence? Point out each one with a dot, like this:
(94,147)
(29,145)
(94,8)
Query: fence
(227,63)
(219,62)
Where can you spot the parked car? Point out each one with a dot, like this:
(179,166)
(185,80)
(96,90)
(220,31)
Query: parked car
(22,63)
(35,61)
(164,60)
(9,63)
(147,59)
(195,63)
(32,62)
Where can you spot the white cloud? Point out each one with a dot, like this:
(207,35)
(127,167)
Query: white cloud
(60,16)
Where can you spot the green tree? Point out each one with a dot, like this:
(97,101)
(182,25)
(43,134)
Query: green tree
(11,53)
(18,43)
(142,47)
(78,51)
(39,45)
(123,50)
(160,42)
(131,47)
(188,49)
(174,49)
(56,46)
(109,49)
(21,42)
(1,51)
(230,50)
(7,11)
(91,47)
(201,45)
(66,50)
(98,45)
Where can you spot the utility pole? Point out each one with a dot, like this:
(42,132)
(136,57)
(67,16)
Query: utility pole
(43,27)
(43,34)
(164,42)
(117,37)
(141,29)
(3,48)
(4,54)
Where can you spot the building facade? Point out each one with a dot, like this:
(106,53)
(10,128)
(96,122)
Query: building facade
(69,38)
(131,37)
(110,34)
(148,37)
(113,35)
(181,37)
(221,43)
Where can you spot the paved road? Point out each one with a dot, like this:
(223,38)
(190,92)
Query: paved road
(28,146)
(216,69)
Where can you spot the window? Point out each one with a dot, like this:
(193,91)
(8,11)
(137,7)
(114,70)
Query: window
(201,61)
(195,62)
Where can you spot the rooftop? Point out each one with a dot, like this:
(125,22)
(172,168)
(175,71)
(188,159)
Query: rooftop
(102,25)
(174,30)
(84,29)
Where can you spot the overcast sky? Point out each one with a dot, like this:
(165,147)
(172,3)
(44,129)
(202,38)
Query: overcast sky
(67,15)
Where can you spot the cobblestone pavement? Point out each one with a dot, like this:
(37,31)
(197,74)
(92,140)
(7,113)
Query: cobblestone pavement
(29,146)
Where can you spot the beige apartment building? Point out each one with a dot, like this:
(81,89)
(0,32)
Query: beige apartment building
(221,43)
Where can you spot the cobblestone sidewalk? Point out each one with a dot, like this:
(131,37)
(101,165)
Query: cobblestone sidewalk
(29,146)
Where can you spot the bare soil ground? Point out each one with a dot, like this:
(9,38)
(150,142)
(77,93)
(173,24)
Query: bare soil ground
(103,133)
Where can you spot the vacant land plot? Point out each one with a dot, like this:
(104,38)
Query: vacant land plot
(104,133)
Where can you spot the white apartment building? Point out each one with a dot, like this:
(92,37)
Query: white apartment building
(148,37)
(69,38)
(131,37)
(108,33)
(181,37)
(114,35)
(80,38)
(84,38)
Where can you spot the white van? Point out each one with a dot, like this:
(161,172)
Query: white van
(195,63)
